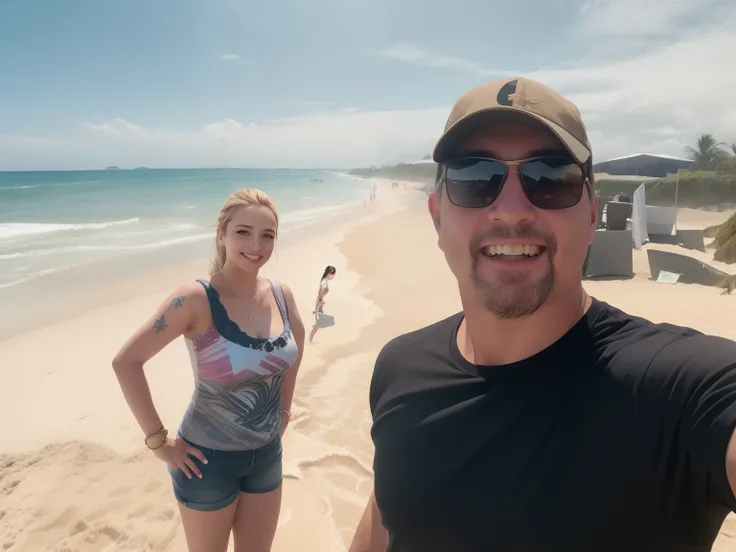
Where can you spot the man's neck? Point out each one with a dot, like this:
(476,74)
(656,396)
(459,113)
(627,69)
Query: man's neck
(486,340)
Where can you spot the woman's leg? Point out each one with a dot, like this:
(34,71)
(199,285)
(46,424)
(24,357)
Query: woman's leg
(259,502)
(255,521)
(313,333)
(208,505)
(208,531)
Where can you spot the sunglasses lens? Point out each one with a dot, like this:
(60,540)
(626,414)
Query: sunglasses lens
(473,182)
(553,182)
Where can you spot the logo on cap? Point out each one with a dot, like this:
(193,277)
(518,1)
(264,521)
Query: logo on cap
(507,96)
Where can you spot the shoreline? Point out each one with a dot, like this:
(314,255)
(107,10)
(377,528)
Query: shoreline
(135,298)
(61,295)
(78,429)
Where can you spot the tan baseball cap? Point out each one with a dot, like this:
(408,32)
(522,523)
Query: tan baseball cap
(511,98)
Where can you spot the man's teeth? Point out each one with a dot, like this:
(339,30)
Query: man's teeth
(513,250)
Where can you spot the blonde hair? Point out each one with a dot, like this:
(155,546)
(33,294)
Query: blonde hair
(244,196)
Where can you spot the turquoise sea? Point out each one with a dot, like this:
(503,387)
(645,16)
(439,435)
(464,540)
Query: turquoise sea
(56,221)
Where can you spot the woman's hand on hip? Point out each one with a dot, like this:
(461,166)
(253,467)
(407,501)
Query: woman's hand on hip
(179,454)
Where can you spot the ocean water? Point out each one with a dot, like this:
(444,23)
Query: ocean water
(56,221)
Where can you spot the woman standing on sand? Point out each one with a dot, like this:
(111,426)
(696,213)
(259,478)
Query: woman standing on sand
(322,320)
(245,340)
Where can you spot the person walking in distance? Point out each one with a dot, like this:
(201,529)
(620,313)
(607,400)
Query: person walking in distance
(245,340)
(539,417)
(322,320)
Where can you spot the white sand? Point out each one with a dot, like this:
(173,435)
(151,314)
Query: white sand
(74,475)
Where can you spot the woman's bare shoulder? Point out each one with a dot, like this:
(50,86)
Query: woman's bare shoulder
(193,297)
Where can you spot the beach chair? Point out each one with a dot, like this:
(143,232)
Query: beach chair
(691,239)
(691,271)
(611,254)
(618,215)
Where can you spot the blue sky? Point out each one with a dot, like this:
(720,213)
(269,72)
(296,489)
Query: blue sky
(343,83)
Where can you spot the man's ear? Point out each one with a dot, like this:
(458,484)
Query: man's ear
(433,204)
(593,216)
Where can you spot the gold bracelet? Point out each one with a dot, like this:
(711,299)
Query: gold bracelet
(163,432)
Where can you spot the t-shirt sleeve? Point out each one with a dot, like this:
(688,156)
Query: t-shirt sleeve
(692,384)
(378,379)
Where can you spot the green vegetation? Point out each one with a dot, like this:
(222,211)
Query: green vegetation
(726,231)
(711,231)
(708,153)
(712,180)
(727,252)
(696,189)
(725,242)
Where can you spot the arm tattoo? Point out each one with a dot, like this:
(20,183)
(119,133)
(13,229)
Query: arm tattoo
(177,302)
(160,324)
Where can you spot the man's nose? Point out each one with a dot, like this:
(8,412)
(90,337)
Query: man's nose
(512,206)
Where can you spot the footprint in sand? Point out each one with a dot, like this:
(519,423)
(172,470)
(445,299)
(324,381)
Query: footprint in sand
(163,515)
(153,487)
(9,488)
(140,512)
(109,532)
(79,527)
(94,538)
(120,491)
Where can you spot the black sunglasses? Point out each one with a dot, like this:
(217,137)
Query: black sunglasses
(549,182)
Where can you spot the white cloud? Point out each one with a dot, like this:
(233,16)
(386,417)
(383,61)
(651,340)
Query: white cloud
(641,18)
(659,100)
(337,139)
(117,127)
(229,57)
(411,53)
(676,92)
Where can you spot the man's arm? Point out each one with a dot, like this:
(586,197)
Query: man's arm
(370,536)
(690,387)
(731,463)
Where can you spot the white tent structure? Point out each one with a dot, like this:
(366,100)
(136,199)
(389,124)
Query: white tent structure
(639,217)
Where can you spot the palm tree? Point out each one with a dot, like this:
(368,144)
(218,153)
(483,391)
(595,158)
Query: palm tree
(707,153)
(728,165)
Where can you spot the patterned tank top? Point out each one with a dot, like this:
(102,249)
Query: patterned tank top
(237,380)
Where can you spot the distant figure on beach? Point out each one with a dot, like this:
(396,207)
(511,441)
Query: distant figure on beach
(322,320)
(540,418)
(245,340)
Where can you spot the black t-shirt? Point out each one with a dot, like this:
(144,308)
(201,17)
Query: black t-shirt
(613,438)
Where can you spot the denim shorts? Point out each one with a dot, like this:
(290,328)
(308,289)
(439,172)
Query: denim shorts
(228,473)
